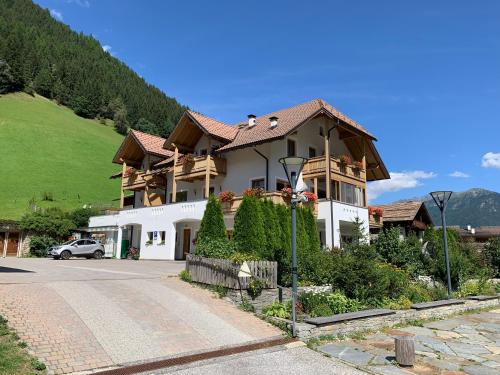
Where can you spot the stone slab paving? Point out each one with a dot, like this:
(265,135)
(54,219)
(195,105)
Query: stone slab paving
(80,315)
(467,344)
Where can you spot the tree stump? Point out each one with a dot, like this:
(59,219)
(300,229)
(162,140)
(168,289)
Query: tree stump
(405,350)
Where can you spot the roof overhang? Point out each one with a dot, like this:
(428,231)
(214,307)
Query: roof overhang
(132,151)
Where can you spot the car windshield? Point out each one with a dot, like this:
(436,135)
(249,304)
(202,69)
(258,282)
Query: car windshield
(68,242)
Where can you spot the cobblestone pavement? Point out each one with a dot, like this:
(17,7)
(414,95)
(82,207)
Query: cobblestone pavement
(466,344)
(79,315)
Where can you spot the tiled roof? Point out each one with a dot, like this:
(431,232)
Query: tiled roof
(404,211)
(151,143)
(215,127)
(288,120)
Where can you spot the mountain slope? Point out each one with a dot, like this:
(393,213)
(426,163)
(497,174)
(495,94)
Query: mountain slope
(46,150)
(477,207)
(41,54)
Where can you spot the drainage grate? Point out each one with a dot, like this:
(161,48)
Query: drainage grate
(183,360)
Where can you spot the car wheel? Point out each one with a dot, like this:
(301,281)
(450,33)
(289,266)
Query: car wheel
(65,255)
(98,254)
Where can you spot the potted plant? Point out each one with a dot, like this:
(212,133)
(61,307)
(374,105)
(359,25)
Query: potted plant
(187,161)
(226,198)
(358,165)
(254,192)
(345,160)
(287,194)
(376,212)
(149,242)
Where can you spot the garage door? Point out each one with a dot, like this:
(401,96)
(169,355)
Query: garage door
(12,244)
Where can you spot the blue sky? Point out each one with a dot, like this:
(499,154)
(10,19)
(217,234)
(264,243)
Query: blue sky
(423,76)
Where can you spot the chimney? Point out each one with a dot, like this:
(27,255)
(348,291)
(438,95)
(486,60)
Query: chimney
(251,120)
(273,122)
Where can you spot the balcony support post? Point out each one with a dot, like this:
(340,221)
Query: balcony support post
(326,133)
(122,192)
(316,186)
(174,182)
(207,168)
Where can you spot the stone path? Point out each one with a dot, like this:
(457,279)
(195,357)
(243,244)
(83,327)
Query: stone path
(468,344)
(85,314)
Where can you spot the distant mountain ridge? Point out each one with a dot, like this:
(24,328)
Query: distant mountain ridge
(476,207)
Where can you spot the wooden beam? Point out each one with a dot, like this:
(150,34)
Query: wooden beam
(327,160)
(207,168)
(174,182)
(122,192)
(315,186)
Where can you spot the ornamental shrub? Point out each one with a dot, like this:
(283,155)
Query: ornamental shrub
(491,254)
(271,229)
(212,225)
(249,234)
(40,244)
(220,248)
(52,222)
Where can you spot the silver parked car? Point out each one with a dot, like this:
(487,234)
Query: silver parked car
(78,248)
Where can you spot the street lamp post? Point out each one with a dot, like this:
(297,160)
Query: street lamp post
(441,199)
(293,166)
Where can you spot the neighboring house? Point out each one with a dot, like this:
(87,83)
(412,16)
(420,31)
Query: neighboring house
(13,242)
(165,183)
(406,216)
(478,234)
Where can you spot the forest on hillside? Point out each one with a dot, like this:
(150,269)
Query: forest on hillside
(39,54)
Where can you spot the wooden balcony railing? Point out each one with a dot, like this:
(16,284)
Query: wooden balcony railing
(196,168)
(276,197)
(134,180)
(316,167)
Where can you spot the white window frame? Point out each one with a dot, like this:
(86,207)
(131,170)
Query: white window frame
(257,178)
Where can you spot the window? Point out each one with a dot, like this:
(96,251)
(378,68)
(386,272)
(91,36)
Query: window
(181,196)
(321,131)
(161,238)
(351,194)
(312,152)
(291,149)
(150,236)
(211,191)
(80,242)
(203,152)
(258,183)
(281,184)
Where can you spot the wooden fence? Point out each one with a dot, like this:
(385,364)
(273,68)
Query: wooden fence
(224,272)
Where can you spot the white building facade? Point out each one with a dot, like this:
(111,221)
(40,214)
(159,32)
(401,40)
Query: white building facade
(170,180)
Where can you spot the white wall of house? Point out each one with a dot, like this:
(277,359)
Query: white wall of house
(151,219)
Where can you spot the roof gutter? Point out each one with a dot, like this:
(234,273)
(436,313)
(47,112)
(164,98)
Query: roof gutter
(267,167)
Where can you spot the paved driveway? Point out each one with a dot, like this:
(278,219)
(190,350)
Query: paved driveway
(84,314)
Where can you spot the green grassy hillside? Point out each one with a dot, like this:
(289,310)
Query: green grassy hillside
(47,152)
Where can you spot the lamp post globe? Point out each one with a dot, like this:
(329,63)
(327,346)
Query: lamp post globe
(293,167)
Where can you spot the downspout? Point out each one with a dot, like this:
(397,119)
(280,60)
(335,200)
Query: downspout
(330,197)
(267,167)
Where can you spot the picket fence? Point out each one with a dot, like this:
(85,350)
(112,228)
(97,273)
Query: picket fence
(225,273)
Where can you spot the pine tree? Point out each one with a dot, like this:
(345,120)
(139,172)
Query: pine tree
(44,82)
(6,79)
(212,225)
(311,229)
(249,235)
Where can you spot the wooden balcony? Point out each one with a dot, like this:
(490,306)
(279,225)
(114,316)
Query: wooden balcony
(375,221)
(276,197)
(137,180)
(134,180)
(316,168)
(197,168)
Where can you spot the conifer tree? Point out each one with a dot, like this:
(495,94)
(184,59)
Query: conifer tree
(272,229)
(212,225)
(311,229)
(249,235)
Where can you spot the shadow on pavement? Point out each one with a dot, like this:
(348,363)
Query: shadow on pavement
(13,270)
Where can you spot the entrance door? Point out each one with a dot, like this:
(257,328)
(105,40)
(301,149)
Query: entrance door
(186,243)
(12,244)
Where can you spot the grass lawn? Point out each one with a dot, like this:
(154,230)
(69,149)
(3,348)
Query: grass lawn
(51,157)
(14,358)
